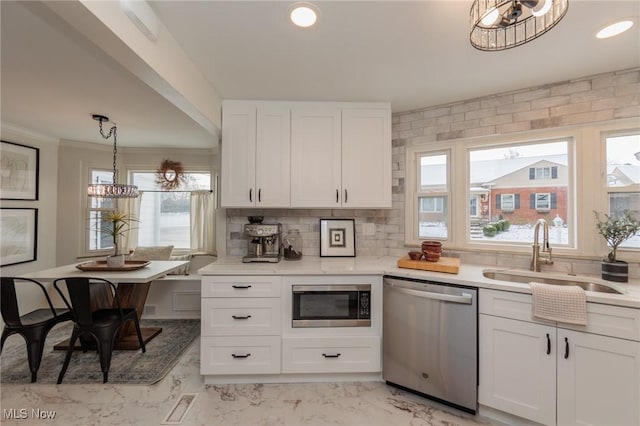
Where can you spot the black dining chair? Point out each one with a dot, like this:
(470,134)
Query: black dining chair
(102,324)
(34,326)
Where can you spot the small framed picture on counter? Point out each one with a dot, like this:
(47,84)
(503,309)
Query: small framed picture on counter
(337,238)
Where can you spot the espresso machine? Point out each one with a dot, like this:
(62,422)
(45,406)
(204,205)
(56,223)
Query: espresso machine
(264,242)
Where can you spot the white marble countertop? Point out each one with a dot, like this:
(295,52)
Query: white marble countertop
(470,275)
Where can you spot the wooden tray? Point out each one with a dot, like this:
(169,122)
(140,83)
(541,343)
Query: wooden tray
(101,265)
(450,265)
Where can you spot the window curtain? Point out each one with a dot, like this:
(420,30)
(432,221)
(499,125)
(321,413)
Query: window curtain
(203,222)
(131,206)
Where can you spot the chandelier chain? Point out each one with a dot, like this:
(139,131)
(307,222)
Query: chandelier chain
(112,131)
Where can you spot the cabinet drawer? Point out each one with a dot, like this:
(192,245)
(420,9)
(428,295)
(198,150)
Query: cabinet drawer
(607,320)
(241,286)
(331,355)
(240,355)
(241,317)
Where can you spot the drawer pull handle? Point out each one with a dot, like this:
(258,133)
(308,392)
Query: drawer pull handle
(240,355)
(331,355)
(241,317)
(566,347)
(241,287)
(251,195)
(548,344)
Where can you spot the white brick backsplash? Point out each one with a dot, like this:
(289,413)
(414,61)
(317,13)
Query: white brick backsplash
(585,100)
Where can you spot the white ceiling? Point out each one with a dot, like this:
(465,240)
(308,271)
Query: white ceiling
(412,54)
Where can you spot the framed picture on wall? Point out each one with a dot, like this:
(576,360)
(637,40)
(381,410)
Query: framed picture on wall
(337,238)
(19,171)
(19,230)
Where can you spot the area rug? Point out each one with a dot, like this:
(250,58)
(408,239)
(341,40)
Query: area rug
(127,367)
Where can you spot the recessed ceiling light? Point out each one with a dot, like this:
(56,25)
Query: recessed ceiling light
(615,28)
(303,14)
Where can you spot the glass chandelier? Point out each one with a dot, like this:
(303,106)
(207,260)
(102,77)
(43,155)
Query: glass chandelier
(503,24)
(114,189)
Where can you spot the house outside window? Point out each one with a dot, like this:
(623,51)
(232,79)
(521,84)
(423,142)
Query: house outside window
(533,171)
(623,178)
(431,204)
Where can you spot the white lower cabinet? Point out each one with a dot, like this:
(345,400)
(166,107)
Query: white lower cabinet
(241,325)
(240,355)
(516,373)
(331,355)
(551,375)
(598,380)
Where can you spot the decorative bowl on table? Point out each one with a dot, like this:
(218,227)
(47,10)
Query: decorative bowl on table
(432,250)
(415,255)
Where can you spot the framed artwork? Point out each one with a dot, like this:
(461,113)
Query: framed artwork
(18,171)
(337,238)
(19,230)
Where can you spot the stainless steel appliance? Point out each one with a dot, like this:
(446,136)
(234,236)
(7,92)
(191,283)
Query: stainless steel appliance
(337,305)
(264,242)
(430,340)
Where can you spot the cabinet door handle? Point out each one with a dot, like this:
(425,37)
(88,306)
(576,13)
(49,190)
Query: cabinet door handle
(251,195)
(331,355)
(241,287)
(259,195)
(241,355)
(548,344)
(337,196)
(240,317)
(345,196)
(566,347)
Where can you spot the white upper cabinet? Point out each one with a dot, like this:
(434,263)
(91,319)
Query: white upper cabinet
(306,154)
(341,156)
(366,158)
(255,154)
(316,156)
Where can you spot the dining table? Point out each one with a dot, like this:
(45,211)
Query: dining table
(133,287)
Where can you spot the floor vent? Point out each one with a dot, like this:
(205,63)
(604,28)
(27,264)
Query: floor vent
(180,409)
(150,310)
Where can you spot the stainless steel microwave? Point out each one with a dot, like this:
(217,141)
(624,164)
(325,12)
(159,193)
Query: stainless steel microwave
(336,305)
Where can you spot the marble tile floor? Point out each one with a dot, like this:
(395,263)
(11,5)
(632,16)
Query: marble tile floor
(351,404)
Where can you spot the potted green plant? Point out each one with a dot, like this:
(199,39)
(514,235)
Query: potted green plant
(615,231)
(116,224)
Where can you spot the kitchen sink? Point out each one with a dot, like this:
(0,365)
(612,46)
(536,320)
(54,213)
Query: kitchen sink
(527,277)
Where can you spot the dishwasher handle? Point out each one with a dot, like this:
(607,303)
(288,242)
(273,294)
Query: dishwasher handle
(466,298)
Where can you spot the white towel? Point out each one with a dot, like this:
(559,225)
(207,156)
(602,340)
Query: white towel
(559,303)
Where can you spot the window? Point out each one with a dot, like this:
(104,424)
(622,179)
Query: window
(165,215)
(537,173)
(431,205)
(541,201)
(507,202)
(432,196)
(506,172)
(473,206)
(98,208)
(623,178)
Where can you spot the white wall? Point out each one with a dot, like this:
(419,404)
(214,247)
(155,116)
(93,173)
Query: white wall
(46,205)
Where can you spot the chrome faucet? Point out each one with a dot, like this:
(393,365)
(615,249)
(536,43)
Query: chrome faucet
(546,248)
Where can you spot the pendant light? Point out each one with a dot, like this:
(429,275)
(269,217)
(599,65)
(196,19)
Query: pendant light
(113,189)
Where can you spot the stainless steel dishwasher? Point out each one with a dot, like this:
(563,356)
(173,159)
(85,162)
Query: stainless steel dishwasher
(430,340)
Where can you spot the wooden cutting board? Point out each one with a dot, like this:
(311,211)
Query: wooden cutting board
(450,265)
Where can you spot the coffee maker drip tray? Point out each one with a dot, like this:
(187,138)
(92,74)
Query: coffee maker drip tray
(268,258)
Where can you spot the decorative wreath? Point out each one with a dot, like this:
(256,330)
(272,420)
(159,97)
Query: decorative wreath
(170,175)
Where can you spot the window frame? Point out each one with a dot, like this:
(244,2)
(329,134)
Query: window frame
(88,209)
(412,233)
(586,151)
(212,179)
